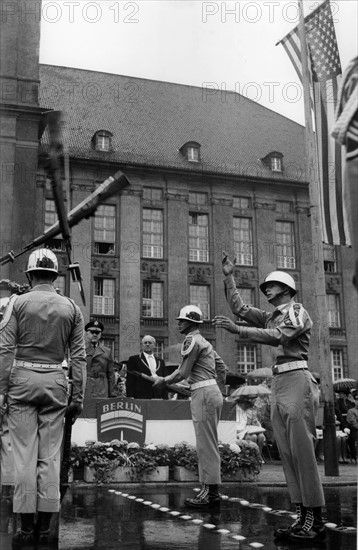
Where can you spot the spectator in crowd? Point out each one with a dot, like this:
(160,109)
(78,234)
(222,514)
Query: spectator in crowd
(147,364)
(248,426)
(352,421)
(100,372)
(120,379)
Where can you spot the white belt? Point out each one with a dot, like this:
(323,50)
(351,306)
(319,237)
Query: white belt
(203,383)
(286,367)
(33,365)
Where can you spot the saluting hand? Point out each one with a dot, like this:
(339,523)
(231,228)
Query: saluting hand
(224,322)
(226,264)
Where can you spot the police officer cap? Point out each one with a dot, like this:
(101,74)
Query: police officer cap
(94,324)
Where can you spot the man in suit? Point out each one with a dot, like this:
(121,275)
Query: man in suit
(145,363)
(100,372)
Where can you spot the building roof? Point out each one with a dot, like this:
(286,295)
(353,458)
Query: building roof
(151,120)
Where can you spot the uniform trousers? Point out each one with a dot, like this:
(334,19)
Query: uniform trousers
(37,401)
(7,470)
(206,404)
(294,402)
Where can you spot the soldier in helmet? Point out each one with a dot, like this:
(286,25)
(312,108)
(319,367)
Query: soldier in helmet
(198,367)
(42,325)
(295,393)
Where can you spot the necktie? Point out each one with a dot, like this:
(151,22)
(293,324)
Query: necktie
(152,364)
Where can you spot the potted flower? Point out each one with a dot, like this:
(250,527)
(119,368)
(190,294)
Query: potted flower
(151,463)
(120,461)
(185,462)
(240,461)
(101,460)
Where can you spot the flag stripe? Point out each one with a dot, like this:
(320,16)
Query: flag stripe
(325,68)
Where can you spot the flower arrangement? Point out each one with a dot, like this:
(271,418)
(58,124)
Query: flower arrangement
(235,456)
(105,458)
(185,455)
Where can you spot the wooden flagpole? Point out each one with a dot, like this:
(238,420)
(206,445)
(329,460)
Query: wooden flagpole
(329,431)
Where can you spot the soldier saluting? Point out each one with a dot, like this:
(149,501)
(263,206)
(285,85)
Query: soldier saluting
(33,343)
(198,367)
(295,393)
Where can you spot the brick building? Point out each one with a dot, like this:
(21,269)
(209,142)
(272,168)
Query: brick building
(208,171)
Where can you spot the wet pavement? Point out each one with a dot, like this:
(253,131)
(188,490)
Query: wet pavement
(153,517)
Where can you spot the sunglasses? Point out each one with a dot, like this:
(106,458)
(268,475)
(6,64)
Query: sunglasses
(94,331)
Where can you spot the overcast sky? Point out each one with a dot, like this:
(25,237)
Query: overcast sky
(230,45)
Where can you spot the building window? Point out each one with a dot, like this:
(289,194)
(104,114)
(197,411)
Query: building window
(198,237)
(284,207)
(103,299)
(152,299)
(152,233)
(159,348)
(152,194)
(246,361)
(334,314)
(243,246)
(247,295)
(198,199)
(102,141)
(329,258)
(242,203)
(105,229)
(276,164)
(50,219)
(285,239)
(200,297)
(337,364)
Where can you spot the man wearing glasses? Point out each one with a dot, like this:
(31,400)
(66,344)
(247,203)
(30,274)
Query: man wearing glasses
(100,371)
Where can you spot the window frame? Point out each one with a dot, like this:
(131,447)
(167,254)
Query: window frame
(152,249)
(106,299)
(289,261)
(243,257)
(198,254)
(153,304)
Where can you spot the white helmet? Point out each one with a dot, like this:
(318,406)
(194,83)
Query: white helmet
(42,259)
(279,277)
(191,313)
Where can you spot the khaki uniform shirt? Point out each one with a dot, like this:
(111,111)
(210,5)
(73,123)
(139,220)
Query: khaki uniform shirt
(43,324)
(287,328)
(198,360)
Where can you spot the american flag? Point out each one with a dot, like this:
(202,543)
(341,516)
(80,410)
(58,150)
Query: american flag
(325,68)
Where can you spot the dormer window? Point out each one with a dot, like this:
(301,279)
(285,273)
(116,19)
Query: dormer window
(274,161)
(102,140)
(276,164)
(191,151)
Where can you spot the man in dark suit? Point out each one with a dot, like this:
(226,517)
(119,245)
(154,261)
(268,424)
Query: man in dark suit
(100,372)
(145,363)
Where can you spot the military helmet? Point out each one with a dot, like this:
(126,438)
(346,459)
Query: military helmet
(279,277)
(42,259)
(191,313)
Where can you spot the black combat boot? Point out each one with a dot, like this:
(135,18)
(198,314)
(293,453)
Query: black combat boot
(282,533)
(313,528)
(207,498)
(25,537)
(43,528)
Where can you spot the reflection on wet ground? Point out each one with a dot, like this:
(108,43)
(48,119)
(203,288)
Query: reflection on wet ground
(144,517)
